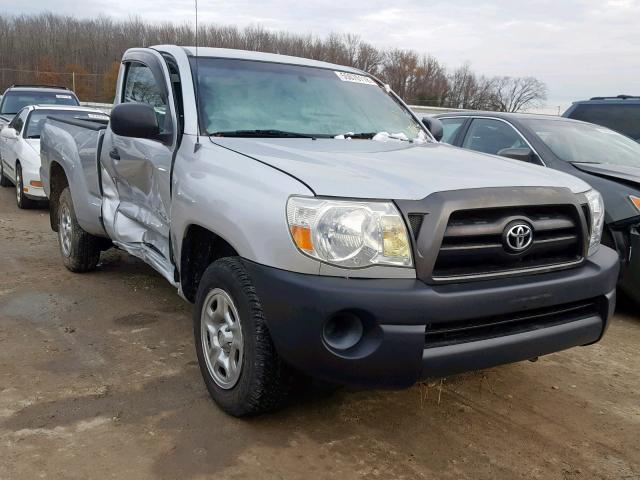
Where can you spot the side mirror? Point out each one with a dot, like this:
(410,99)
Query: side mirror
(11,133)
(434,126)
(136,120)
(522,154)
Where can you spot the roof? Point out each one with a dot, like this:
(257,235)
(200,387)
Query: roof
(503,115)
(208,52)
(66,107)
(620,99)
(31,88)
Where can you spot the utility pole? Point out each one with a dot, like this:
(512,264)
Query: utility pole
(73,80)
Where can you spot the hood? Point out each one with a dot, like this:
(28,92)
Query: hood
(392,170)
(613,172)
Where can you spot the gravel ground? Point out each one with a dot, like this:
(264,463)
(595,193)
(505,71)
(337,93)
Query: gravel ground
(98,379)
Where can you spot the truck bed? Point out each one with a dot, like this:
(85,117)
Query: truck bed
(75,146)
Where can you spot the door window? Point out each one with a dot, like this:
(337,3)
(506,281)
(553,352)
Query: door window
(141,87)
(18,122)
(490,136)
(451,127)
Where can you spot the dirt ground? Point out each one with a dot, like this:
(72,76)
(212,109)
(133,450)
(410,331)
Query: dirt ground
(98,379)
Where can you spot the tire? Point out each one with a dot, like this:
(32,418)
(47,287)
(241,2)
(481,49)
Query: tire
(260,381)
(80,250)
(21,200)
(4,181)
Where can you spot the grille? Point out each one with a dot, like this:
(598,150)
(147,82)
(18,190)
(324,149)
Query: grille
(415,221)
(451,333)
(473,244)
(587,216)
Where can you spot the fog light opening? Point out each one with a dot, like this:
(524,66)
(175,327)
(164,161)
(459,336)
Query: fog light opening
(343,331)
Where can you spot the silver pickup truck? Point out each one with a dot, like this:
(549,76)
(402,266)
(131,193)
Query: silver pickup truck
(319,227)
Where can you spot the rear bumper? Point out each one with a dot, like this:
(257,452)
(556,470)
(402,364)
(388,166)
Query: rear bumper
(393,350)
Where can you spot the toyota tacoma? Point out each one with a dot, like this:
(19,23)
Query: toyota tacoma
(318,227)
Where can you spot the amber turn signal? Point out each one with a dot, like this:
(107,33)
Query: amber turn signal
(35,183)
(302,237)
(635,201)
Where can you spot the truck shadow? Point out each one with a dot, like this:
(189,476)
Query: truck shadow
(627,307)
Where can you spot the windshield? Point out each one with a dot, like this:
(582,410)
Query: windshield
(37,118)
(586,143)
(14,101)
(621,118)
(252,98)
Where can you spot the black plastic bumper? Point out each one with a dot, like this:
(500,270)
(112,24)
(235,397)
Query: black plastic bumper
(394,314)
(630,282)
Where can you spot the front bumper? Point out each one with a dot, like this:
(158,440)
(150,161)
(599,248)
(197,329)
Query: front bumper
(34,192)
(393,350)
(630,282)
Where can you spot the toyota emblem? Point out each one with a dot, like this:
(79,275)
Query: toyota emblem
(518,237)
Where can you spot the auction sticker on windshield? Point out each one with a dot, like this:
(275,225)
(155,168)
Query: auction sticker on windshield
(352,77)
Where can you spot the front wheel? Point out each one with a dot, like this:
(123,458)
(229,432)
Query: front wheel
(238,361)
(80,250)
(21,200)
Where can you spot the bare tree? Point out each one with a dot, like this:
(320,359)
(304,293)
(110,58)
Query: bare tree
(89,51)
(399,69)
(514,94)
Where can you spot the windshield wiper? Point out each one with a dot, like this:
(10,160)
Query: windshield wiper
(363,135)
(263,133)
(370,136)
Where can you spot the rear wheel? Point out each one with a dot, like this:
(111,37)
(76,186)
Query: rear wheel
(238,361)
(80,250)
(21,200)
(4,181)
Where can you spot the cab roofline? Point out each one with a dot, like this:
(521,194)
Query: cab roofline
(229,53)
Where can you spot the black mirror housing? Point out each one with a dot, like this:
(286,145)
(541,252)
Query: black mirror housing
(522,154)
(136,120)
(434,126)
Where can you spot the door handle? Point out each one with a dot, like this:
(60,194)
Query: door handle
(114,154)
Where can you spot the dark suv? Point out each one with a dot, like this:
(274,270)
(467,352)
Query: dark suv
(621,113)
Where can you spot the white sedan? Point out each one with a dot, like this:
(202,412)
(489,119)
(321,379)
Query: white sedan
(20,148)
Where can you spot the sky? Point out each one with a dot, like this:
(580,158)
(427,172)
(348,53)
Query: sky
(579,48)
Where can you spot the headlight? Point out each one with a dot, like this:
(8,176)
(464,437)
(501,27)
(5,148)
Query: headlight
(349,234)
(596,207)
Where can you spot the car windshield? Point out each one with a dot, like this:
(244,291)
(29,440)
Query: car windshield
(14,101)
(616,116)
(250,98)
(585,143)
(36,120)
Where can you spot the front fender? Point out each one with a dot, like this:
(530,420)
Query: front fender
(239,199)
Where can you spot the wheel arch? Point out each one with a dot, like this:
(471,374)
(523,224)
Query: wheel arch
(58,181)
(200,248)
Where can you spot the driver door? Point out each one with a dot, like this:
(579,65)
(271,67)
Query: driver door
(137,215)
(9,144)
